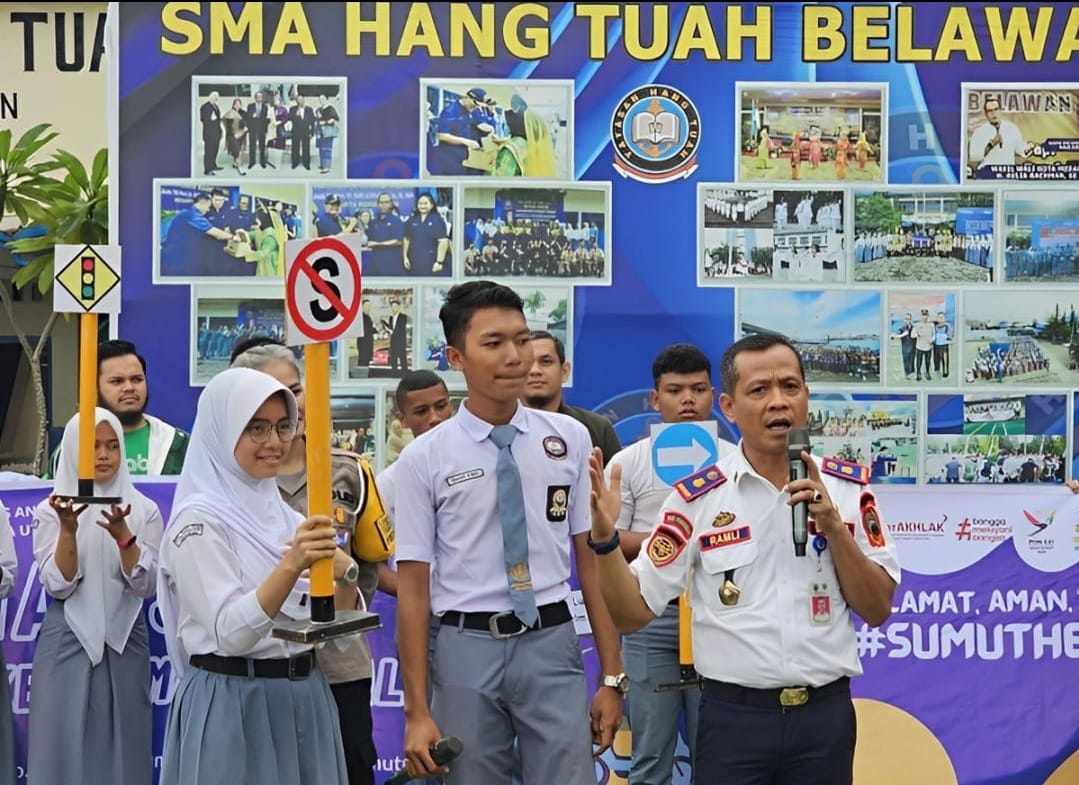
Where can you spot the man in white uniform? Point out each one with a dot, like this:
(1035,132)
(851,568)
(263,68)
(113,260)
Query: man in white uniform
(682,375)
(773,633)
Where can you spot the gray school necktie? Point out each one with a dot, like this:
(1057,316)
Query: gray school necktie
(511,511)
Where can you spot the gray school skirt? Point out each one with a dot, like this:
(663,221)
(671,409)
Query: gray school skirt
(89,723)
(252,730)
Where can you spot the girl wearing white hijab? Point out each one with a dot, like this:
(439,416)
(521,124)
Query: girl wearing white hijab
(8,573)
(90,714)
(249,709)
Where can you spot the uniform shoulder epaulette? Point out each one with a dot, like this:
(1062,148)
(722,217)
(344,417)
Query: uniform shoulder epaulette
(699,483)
(845,470)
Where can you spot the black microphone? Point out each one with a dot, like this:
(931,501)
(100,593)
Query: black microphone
(797,442)
(442,752)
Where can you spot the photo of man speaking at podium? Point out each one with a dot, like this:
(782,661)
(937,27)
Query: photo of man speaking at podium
(1025,133)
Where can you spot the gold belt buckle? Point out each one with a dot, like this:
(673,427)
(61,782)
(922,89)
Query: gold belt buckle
(793,696)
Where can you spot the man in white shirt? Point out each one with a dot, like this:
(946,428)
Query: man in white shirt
(682,375)
(499,674)
(773,633)
(996,142)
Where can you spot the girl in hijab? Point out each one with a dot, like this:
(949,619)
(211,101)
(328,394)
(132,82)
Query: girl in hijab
(249,709)
(8,574)
(90,712)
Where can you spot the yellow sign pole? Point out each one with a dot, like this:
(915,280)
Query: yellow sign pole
(687,676)
(87,282)
(87,401)
(319,494)
(331,284)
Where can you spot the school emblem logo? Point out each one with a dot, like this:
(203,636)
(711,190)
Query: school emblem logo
(557,503)
(520,577)
(554,447)
(656,131)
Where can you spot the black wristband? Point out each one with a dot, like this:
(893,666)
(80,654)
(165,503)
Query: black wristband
(603,547)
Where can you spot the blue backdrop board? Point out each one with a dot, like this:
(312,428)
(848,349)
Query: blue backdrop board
(662,172)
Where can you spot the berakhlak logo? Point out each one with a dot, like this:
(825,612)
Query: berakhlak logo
(1039,526)
(962,531)
(656,131)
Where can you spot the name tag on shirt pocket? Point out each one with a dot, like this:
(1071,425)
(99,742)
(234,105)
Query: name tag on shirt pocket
(719,554)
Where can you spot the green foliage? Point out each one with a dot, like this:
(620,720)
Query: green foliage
(58,194)
(876,213)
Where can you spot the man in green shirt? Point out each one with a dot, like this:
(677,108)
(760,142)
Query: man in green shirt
(152,445)
(544,391)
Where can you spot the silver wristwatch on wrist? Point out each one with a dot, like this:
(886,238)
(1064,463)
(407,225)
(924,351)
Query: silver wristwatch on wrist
(351,575)
(619,682)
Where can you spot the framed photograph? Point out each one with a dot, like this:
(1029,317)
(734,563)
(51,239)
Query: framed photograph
(996,438)
(223,230)
(1041,235)
(407,226)
(761,235)
(547,307)
(540,232)
(385,350)
(836,331)
(922,339)
(353,423)
(222,315)
(1020,132)
(397,433)
(816,132)
(735,234)
(879,431)
(923,235)
(497,128)
(1020,337)
(269,127)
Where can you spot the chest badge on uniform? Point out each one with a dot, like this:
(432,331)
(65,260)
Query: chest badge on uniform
(554,447)
(557,503)
(725,518)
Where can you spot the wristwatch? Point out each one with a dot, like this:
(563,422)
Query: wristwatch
(604,547)
(619,682)
(352,574)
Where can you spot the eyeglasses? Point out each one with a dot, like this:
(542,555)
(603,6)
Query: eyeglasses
(259,430)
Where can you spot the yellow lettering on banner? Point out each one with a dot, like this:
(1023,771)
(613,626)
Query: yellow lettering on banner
(480,31)
(1004,34)
(420,31)
(696,33)
(356,27)
(822,34)
(905,50)
(187,30)
(536,43)
(248,24)
(1069,39)
(957,35)
(760,30)
(293,30)
(661,20)
(597,15)
(866,29)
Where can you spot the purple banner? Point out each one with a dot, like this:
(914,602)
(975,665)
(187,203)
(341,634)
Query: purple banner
(963,684)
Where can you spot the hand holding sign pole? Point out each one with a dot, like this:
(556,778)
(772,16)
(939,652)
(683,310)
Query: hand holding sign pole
(322,300)
(87,283)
